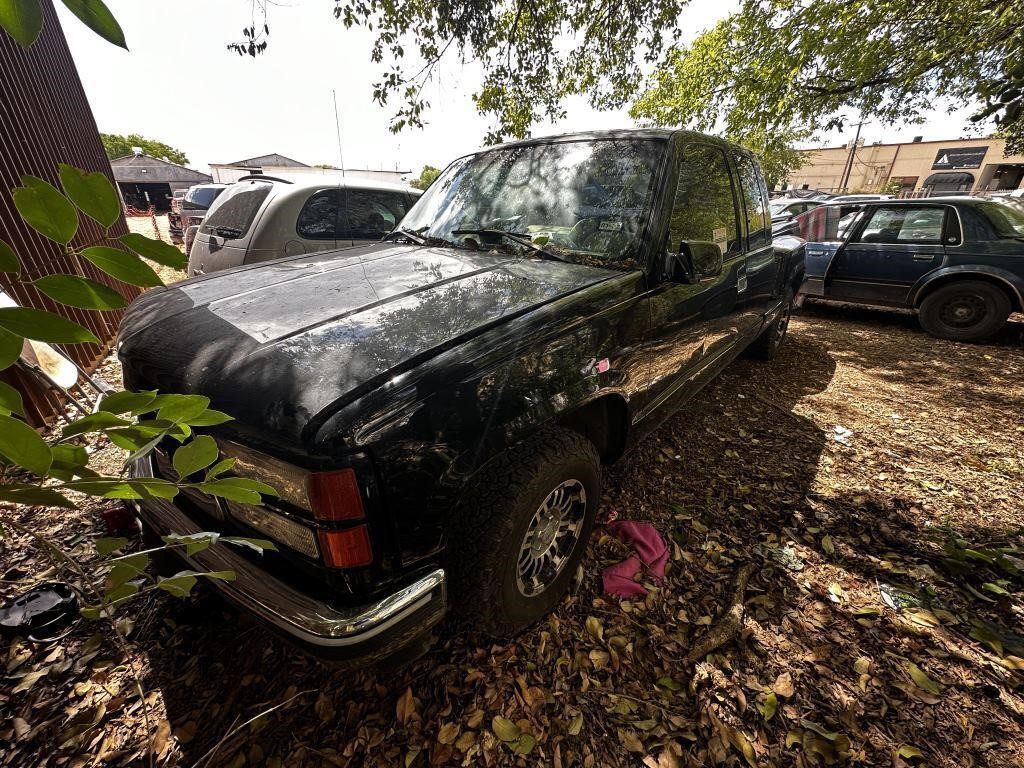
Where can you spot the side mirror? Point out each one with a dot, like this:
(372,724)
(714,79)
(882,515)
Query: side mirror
(703,258)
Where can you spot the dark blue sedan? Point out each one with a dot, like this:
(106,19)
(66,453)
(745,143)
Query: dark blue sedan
(958,261)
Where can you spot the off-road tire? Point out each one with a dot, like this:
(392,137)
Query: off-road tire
(767,345)
(491,521)
(986,306)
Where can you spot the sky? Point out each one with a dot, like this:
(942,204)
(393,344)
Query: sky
(178,84)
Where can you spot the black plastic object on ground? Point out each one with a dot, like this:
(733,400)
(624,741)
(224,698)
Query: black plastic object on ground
(44,613)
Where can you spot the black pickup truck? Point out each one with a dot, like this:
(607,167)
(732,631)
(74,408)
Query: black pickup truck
(435,409)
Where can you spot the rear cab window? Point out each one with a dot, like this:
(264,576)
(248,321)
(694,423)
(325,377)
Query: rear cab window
(755,199)
(236,209)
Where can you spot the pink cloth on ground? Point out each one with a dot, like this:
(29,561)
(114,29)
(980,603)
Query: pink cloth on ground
(650,552)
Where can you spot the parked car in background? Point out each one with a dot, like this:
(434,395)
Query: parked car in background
(784,209)
(264,218)
(194,205)
(176,197)
(959,262)
(435,409)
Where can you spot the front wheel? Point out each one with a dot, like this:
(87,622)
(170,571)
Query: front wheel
(521,530)
(965,310)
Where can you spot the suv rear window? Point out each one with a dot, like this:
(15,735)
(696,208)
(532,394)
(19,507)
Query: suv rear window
(236,209)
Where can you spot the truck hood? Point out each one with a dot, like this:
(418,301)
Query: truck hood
(276,344)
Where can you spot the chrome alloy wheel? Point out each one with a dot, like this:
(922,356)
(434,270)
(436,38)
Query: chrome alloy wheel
(551,537)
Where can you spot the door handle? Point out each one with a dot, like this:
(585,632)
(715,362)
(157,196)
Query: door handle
(924,257)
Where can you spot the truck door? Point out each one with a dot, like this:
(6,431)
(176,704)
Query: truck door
(890,248)
(693,324)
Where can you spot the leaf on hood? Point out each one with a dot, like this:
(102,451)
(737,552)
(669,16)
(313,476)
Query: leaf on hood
(595,628)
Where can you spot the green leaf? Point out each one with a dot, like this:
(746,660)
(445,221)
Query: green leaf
(182,408)
(121,592)
(115,488)
(107,545)
(10,400)
(11,345)
(122,402)
(505,729)
(23,445)
(80,292)
(995,588)
(94,422)
(193,542)
(921,680)
(43,326)
(125,266)
(524,744)
(241,489)
(219,575)
(8,258)
(220,468)
(258,545)
(92,193)
(23,20)
(46,210)
(97,17)
(768,709)
(195,455)
(32,495)
(155,250)
(210,418)
(179,585)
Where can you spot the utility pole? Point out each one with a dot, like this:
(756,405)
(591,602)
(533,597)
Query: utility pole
(849,160)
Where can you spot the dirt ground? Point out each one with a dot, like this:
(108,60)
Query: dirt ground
(872,476)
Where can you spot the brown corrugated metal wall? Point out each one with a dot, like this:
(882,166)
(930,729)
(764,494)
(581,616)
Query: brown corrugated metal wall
(45,119)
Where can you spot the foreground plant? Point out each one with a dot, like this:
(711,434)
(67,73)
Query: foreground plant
(36,472)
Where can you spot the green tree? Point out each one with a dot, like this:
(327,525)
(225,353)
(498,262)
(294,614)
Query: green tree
(427,176)
(779,68)
(122,146)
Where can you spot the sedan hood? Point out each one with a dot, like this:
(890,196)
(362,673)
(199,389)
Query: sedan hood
(276,344)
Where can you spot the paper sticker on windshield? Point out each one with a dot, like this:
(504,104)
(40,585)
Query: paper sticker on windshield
(610,225)
(721,237)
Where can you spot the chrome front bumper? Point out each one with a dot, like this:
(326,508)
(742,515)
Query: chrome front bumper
(361,632)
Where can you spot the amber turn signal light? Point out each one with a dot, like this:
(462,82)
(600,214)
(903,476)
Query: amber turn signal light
(335,495)
(346,549)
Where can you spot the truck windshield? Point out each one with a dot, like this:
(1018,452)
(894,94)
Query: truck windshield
(585,200)
(1007,220)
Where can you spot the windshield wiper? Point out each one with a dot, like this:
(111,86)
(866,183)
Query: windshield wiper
(408,234)
(515,237)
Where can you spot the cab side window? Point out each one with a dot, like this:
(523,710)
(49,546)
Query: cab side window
(705,202)
(755,198)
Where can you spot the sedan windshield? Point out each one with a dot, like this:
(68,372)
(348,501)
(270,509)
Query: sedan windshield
(584,200)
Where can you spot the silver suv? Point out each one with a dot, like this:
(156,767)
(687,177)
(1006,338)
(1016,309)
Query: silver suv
(260,218)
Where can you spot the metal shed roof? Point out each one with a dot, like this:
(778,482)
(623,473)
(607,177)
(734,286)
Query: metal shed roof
(273,160)
(144,169)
